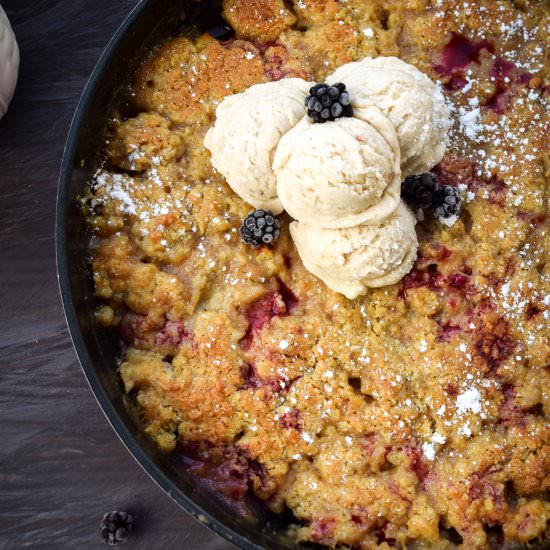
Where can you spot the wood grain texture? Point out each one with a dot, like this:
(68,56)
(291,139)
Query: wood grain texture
(61,465)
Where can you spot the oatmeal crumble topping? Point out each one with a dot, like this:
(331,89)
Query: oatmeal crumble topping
(416,415)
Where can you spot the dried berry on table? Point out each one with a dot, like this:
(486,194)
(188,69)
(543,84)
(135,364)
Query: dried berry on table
(116,527)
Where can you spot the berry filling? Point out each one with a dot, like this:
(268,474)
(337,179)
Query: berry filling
(322,529)
(448,331)
(291,420)
(380,534)
(485,487)
(252,380)
(531,218)
(278,63)
(509,411)
(429,277)
(264,46)
(458,280)
(506,77)
(226,470)
(457,55)
(417,464)
(460,52)
(532,311)
(172,334)
(278,303)
(274,67)
(456,171)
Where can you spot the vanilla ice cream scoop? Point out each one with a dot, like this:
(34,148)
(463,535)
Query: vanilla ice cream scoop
(352,259)
(248,128)
(413,103)
(340,173)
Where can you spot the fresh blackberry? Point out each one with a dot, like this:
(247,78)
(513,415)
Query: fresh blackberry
(116,527)
(260,227)
(424,191)
(326,102)
(447,202)
(420,191)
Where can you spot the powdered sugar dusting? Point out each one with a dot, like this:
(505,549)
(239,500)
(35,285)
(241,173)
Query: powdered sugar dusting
(469,120)
(429,448)
(118,188)
(470,400)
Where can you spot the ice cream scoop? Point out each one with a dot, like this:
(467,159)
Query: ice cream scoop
(337,170)
(9,62)
(352,259)
(248,128)
(413,103)
(340,173)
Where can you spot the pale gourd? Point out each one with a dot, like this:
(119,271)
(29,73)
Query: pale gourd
(9,62)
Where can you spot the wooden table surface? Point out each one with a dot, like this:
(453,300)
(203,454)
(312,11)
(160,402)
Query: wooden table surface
(61,465)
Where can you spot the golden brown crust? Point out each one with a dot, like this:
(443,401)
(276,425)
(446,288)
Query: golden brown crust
(185,81)
(261,20)
(140,143)
(415,415)
(315,12)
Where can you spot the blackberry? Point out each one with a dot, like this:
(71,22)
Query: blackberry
(328,102)
(260,227)
(116,527)
(420,191)
(447,202)
(424,191)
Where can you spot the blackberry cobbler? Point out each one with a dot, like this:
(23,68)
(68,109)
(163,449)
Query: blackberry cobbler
(415,415)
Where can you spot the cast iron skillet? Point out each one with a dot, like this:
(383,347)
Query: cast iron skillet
(148,24)
(97,349)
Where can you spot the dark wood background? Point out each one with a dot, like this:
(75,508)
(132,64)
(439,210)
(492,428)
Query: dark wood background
(61,465)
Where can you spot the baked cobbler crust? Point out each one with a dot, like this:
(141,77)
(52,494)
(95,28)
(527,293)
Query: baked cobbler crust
(416,415)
